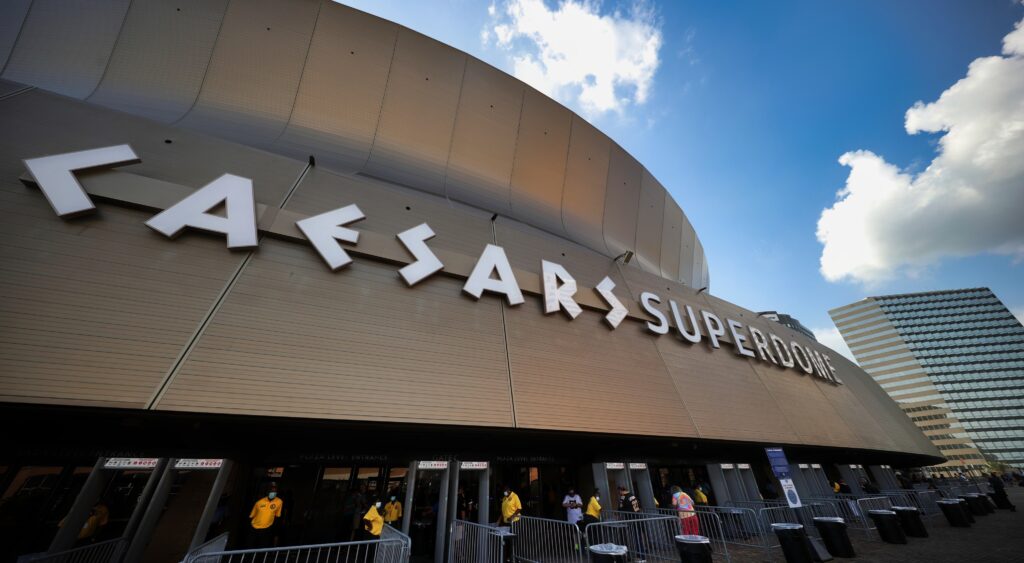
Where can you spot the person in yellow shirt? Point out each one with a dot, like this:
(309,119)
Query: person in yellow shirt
(593,513)
(373,526)
(698,495)
(835,487)
(262,517)
(511,508)
(392,510)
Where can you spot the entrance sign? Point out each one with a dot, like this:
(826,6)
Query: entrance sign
(638,466)
(198,463)
(130,462)
(473,465)
(780,467)
(492,271)
(614,465)
(432,465)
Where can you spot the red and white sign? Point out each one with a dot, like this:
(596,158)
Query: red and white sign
(473,465)
(432,465)
(130,462)
(198,463)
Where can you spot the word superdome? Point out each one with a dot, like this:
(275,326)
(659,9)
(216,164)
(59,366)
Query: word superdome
(491,273)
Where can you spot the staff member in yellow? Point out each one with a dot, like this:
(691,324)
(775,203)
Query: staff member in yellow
(593,512)
(373,525)
(392,510)
(262,517)
(511,508)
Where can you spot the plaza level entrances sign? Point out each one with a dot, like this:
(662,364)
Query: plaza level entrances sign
(492,272)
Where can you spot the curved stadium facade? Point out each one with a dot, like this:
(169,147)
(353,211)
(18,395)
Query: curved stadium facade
(214,255)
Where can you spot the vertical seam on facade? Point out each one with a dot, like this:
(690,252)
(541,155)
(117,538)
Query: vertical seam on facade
(604,206)
(17,36)
(113,49)
(455,124)
(298,86)
(383,99)
(565,175)
(168,378)
(508,356)
(515,148)
(209,63)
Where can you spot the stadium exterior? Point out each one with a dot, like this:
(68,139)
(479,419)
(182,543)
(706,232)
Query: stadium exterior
(417,272)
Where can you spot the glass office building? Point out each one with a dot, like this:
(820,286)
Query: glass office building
(954,360)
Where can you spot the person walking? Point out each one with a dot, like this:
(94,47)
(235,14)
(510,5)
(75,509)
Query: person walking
(511,507)
(627,501)
(373,527)
(999,493)
(689,523)
(593,513)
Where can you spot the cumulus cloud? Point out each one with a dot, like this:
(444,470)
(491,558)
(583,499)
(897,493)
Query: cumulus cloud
(830,337)
(571,52)
(889,222)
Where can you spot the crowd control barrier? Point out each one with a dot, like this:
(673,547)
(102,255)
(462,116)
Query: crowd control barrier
(372,551)
(214,545)
(475,543)
(544,540)
(846,507)
(110,551)
(651,536)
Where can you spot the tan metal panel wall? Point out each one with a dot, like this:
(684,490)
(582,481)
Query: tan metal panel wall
(294,339)
(671,238)
(538,175)
(484,141)
(698,264)
(581,376)
(621,201)
(586,182)
(342,88)
(650,214)
(390,210)
(73,64)
(12,16)
(250,86)
(414,134)
(161,56)
(686,250)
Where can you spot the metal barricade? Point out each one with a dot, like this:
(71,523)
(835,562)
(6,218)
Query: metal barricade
(804,514)
(110,551)
(872,503)
(396,546)
(543,540)
(901,498)
(846,507)
(928,502)
(755,505)
(648,538)
(371,551)
(475,543)
(219,543)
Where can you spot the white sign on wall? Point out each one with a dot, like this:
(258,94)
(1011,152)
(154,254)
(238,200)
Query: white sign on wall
(198,463)
(432,465)
(473,465)
(130,462)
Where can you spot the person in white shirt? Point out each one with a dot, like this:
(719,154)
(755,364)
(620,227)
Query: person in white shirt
(573,506)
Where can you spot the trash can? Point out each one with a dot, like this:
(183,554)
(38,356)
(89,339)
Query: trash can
(693,548)
(910,521)
(975,504)
(833,532)
(608,553)
(955,512)
(888,526)
(795,544)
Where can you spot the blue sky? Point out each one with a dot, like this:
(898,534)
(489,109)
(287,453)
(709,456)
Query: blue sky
(743,110)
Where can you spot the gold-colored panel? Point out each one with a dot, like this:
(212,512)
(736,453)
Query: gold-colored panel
(526,246)
(414,134)
(579,375)
(621,201)
(161,56)
(671,238)
(342,88)
(687,249)
(295,339)
(650,214)
(539,170)
(250,86)
(586,181)
(484,142)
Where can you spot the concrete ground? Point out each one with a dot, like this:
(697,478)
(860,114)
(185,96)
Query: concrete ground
(994,538)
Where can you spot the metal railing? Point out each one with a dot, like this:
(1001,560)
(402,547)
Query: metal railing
(740,526)
(110,551)
(755,505)
(371,551)
(709,525)
(928,502)
(846,507)
(395,546)
(545,540)
(648,538)
(475,543)
(219,543)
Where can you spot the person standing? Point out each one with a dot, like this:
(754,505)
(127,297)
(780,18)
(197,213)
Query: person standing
(573,506)
(593,513)
(999,493)
(262,518)
(628,501)
(698,495)
(689,523)
(511,507)
(373,526)
(392,510)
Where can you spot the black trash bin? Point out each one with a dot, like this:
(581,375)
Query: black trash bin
(608,553)
(955,512)
(910,521)
(833,532)
(975,504)
(795,544)
(694,549)
(888,526)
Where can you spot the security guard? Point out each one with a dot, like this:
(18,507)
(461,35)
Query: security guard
(593,513)
(510,507)
(392,510)
(373,525)
(262,516)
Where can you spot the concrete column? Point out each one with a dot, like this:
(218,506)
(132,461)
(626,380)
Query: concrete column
(484,496)
(442,516)
(84,502)
(143,500)
(410,489)
(203,528)
(152,515)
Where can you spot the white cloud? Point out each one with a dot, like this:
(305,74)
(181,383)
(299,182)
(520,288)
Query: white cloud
(969,200)
(573,53)
(830,337)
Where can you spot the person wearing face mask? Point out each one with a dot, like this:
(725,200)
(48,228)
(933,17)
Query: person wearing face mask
(373,525)
(593,513)
(262,517)
(511,508)
(393,509)
(573,506)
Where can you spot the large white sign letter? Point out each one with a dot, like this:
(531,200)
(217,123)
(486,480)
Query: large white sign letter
(238,223)
(427,263)
(326,229)
(619,311)
(559,296)
(53,175)
(493,259)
